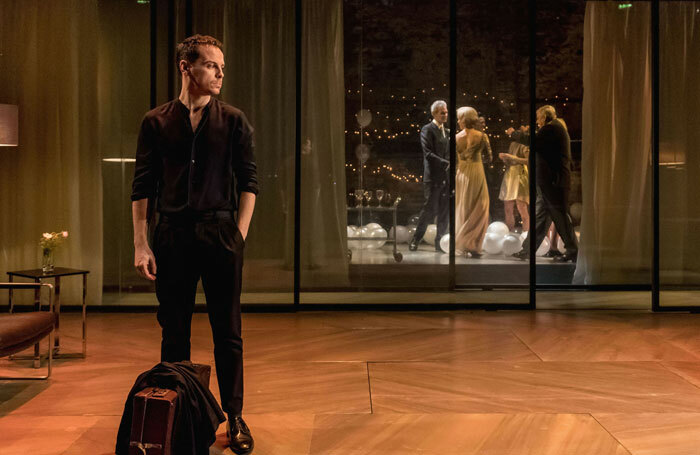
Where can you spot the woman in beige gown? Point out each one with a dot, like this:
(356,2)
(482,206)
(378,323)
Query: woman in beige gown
(472,195)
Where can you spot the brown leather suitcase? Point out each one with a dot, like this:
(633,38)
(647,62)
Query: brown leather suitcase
(153,417)
(152,422)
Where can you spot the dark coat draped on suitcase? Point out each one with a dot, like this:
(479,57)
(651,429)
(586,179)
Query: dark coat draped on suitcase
(197,416)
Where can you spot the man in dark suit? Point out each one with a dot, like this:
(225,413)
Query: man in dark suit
(434,140)
(553,178)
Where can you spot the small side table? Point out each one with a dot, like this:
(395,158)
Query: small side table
(37,275)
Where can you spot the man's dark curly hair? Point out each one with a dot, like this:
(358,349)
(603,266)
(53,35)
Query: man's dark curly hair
(188,49)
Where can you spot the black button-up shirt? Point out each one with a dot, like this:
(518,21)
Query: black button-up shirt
(194,171)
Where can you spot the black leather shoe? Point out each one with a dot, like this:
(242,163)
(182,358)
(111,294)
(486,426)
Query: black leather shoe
(523,255)
(552,254)
(240,440)
(566,257)
(474,254)
(413,245)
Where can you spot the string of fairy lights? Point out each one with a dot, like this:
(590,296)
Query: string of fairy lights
(387,170)
(392,126)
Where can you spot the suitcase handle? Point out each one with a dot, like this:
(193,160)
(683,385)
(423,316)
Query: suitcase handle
(159,393)
(144,447)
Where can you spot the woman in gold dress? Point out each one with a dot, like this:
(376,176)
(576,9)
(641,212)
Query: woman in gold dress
(515,188)
(472,195)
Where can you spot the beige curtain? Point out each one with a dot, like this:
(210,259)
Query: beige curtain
(258,38)
(616,222)
(323,204)
(679,98)
(52,180)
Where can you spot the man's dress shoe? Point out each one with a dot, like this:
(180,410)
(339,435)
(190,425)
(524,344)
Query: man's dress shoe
(566,257)
(523,255)
(240,440)
(552,254)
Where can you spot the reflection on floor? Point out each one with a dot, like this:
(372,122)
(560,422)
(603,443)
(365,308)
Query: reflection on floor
(378,266)
(461,382)
(546,300)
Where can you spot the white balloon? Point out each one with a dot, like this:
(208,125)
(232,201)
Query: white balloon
(523,236)
(380,234)
(353,232)
(445,243)
(364,117)
(510,244)
(498,227)
(360,232)
(492,243)
(371,226)
(544,247)
(430,234)
(560,245)
(401,234)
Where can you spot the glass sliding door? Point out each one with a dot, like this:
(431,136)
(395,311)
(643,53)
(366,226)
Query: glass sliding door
(124,97)
(492,189)
(679,154)
(258,38)
(594,70)
(372,69)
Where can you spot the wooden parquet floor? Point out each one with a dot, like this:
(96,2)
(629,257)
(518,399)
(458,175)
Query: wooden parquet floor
(342,383)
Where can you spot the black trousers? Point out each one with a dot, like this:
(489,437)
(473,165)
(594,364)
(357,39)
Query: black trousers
(437,204)
(211,249)
(553,205)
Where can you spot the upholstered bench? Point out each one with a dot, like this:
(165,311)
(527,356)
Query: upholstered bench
(19,331)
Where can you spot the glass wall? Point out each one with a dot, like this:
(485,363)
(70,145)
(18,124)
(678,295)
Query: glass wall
(594,69)
(259,47)
(679,139)
(124,97)
(371,73)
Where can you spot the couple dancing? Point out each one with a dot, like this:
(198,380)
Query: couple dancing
(472,196)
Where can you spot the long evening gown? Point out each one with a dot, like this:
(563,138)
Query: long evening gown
(472,195)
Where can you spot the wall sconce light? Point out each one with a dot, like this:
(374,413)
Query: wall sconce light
(9,125)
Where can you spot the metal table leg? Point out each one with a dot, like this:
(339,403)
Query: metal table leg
(57,306)
(37,307)
(84,315)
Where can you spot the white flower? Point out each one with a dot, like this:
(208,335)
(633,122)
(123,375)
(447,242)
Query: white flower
(46,235)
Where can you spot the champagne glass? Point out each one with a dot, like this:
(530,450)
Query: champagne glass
(358,197)
(368,196)
(380,197)
(387,200)
(351,199)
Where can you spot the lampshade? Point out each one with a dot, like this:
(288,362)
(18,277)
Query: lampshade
(9,125)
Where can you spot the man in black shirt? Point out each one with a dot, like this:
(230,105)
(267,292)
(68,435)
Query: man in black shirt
(434,140)
(195,161)
(553,174)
